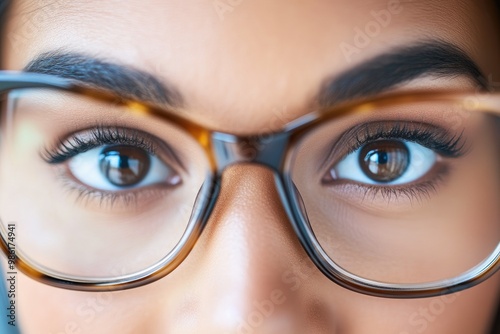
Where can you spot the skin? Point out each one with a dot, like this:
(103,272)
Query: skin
(268,59)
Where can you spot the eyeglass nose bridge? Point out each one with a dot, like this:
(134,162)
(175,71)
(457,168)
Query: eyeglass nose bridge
(267,150)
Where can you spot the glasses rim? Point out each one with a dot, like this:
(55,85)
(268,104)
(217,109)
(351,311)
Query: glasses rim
(271,150)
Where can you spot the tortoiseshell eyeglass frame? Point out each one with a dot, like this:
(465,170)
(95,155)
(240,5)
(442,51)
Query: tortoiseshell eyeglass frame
(270,150)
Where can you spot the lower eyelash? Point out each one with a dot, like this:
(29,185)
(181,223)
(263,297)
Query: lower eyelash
(107,200)
(413,191)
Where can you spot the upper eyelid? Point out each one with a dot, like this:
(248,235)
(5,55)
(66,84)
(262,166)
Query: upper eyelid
(449,144)
(107,135)
(96,136)
(86,144)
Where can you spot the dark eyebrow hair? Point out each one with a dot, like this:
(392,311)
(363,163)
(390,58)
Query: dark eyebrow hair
(123,80)
(398,66)
(374,76)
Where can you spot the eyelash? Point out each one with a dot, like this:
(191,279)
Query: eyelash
(416,192)
(105,198)
(437,139)
(98,136)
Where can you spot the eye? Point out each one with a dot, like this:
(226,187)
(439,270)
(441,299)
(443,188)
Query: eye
(118,167)
(385,162)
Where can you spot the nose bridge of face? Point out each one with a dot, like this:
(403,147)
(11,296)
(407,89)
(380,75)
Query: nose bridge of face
(265,149)
(252,256)
(248,192)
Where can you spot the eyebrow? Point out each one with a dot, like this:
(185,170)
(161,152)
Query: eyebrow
(430,58)
(374,76)
(120,79)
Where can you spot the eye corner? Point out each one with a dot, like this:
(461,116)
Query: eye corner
(329,176)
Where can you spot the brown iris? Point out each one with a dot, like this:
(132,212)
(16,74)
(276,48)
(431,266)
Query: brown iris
(124,165)
(384,160)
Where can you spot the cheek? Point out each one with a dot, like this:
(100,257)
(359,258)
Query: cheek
(43,309)
(468,311)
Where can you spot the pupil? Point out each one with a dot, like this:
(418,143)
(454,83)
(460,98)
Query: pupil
(379,157)
(123,165)
(384,160)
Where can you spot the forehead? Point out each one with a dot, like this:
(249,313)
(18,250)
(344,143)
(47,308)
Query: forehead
(239,59)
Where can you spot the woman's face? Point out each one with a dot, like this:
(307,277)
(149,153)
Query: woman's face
(251,67)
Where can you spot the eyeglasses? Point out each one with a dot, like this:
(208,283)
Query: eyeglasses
(396,196)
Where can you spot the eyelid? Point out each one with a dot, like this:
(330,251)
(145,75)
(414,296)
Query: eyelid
(440,140)
(84,140)
(111,199)
(371,197)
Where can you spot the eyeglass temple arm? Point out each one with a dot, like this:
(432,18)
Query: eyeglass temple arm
(17,80)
